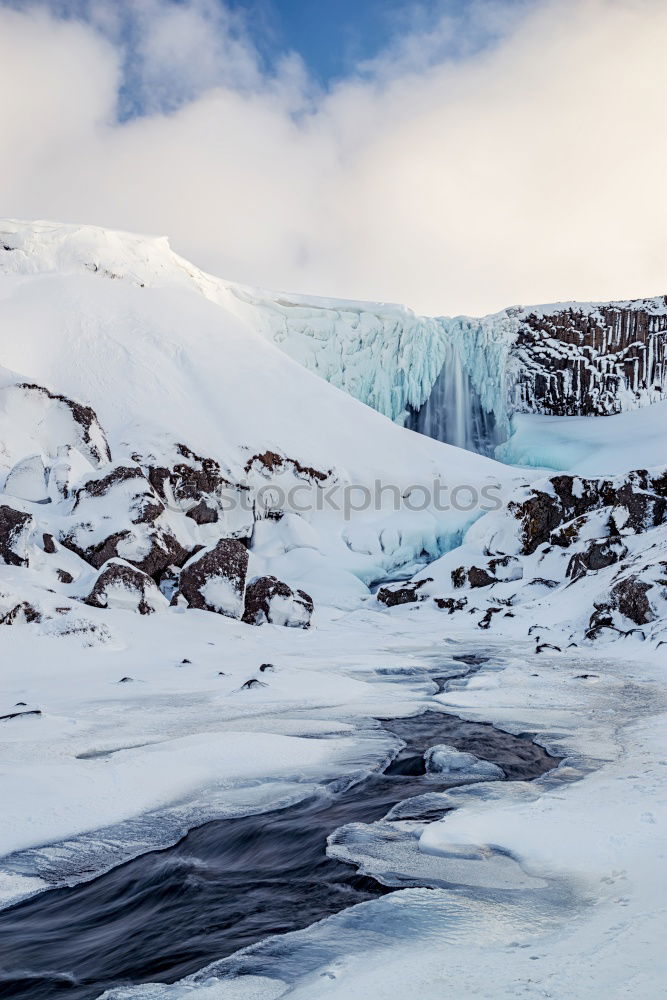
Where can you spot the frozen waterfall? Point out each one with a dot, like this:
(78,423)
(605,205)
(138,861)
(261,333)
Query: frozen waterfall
(453,412)
(444,377)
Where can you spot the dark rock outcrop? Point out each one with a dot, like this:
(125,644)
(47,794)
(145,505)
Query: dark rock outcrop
(597,554)
(451,604)
(15,529)
(406,593)
(497,570)
(630,597)
(556,512)
(270,600)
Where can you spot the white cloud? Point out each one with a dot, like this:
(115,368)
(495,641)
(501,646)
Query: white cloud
(529,171)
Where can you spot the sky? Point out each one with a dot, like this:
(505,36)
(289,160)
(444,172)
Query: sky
(459,156)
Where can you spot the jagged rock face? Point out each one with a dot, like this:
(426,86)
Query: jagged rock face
(119,585)
(215,579)
(584,361)
(274,602)
(15,529)
(560,511)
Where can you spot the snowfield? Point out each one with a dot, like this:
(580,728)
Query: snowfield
(183,642)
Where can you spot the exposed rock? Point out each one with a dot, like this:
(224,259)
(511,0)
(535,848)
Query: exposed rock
(451,604)
(141,502)
(630,596)
(270,600)
(187,481)
(197,487)
(214,579)
(48,543)
(15,529)
(538,516)
(121,516)
(406,593)
(638,511)
(272,462)
(486,621)
(478,577)
(22,613)
(498,570)
(19,715)
(253,683)
(598,554)
(203,513)
(560,509)
(119,585)
(591,359)
(64,576)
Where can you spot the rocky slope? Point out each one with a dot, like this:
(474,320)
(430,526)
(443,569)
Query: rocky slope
(569,562)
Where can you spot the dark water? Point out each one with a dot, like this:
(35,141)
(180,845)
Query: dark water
(227,884)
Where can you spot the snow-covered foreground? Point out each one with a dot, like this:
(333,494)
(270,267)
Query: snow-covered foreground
(554,888)
(577,913)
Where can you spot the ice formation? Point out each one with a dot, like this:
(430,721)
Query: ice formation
(460,379)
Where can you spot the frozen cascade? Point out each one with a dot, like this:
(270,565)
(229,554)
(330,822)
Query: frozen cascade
(444,377)
(453,411)
(467,405)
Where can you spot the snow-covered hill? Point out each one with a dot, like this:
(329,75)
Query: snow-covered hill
(198,408)
(457,379)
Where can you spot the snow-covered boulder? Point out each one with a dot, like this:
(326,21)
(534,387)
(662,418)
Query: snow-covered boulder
(120,585)
(453,765)
(68,469)
(214,579)
(270,600)
(35,419)
(117,514)
(28,480)
(16,527)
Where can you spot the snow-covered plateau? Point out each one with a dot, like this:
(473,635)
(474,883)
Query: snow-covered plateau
(224,556)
